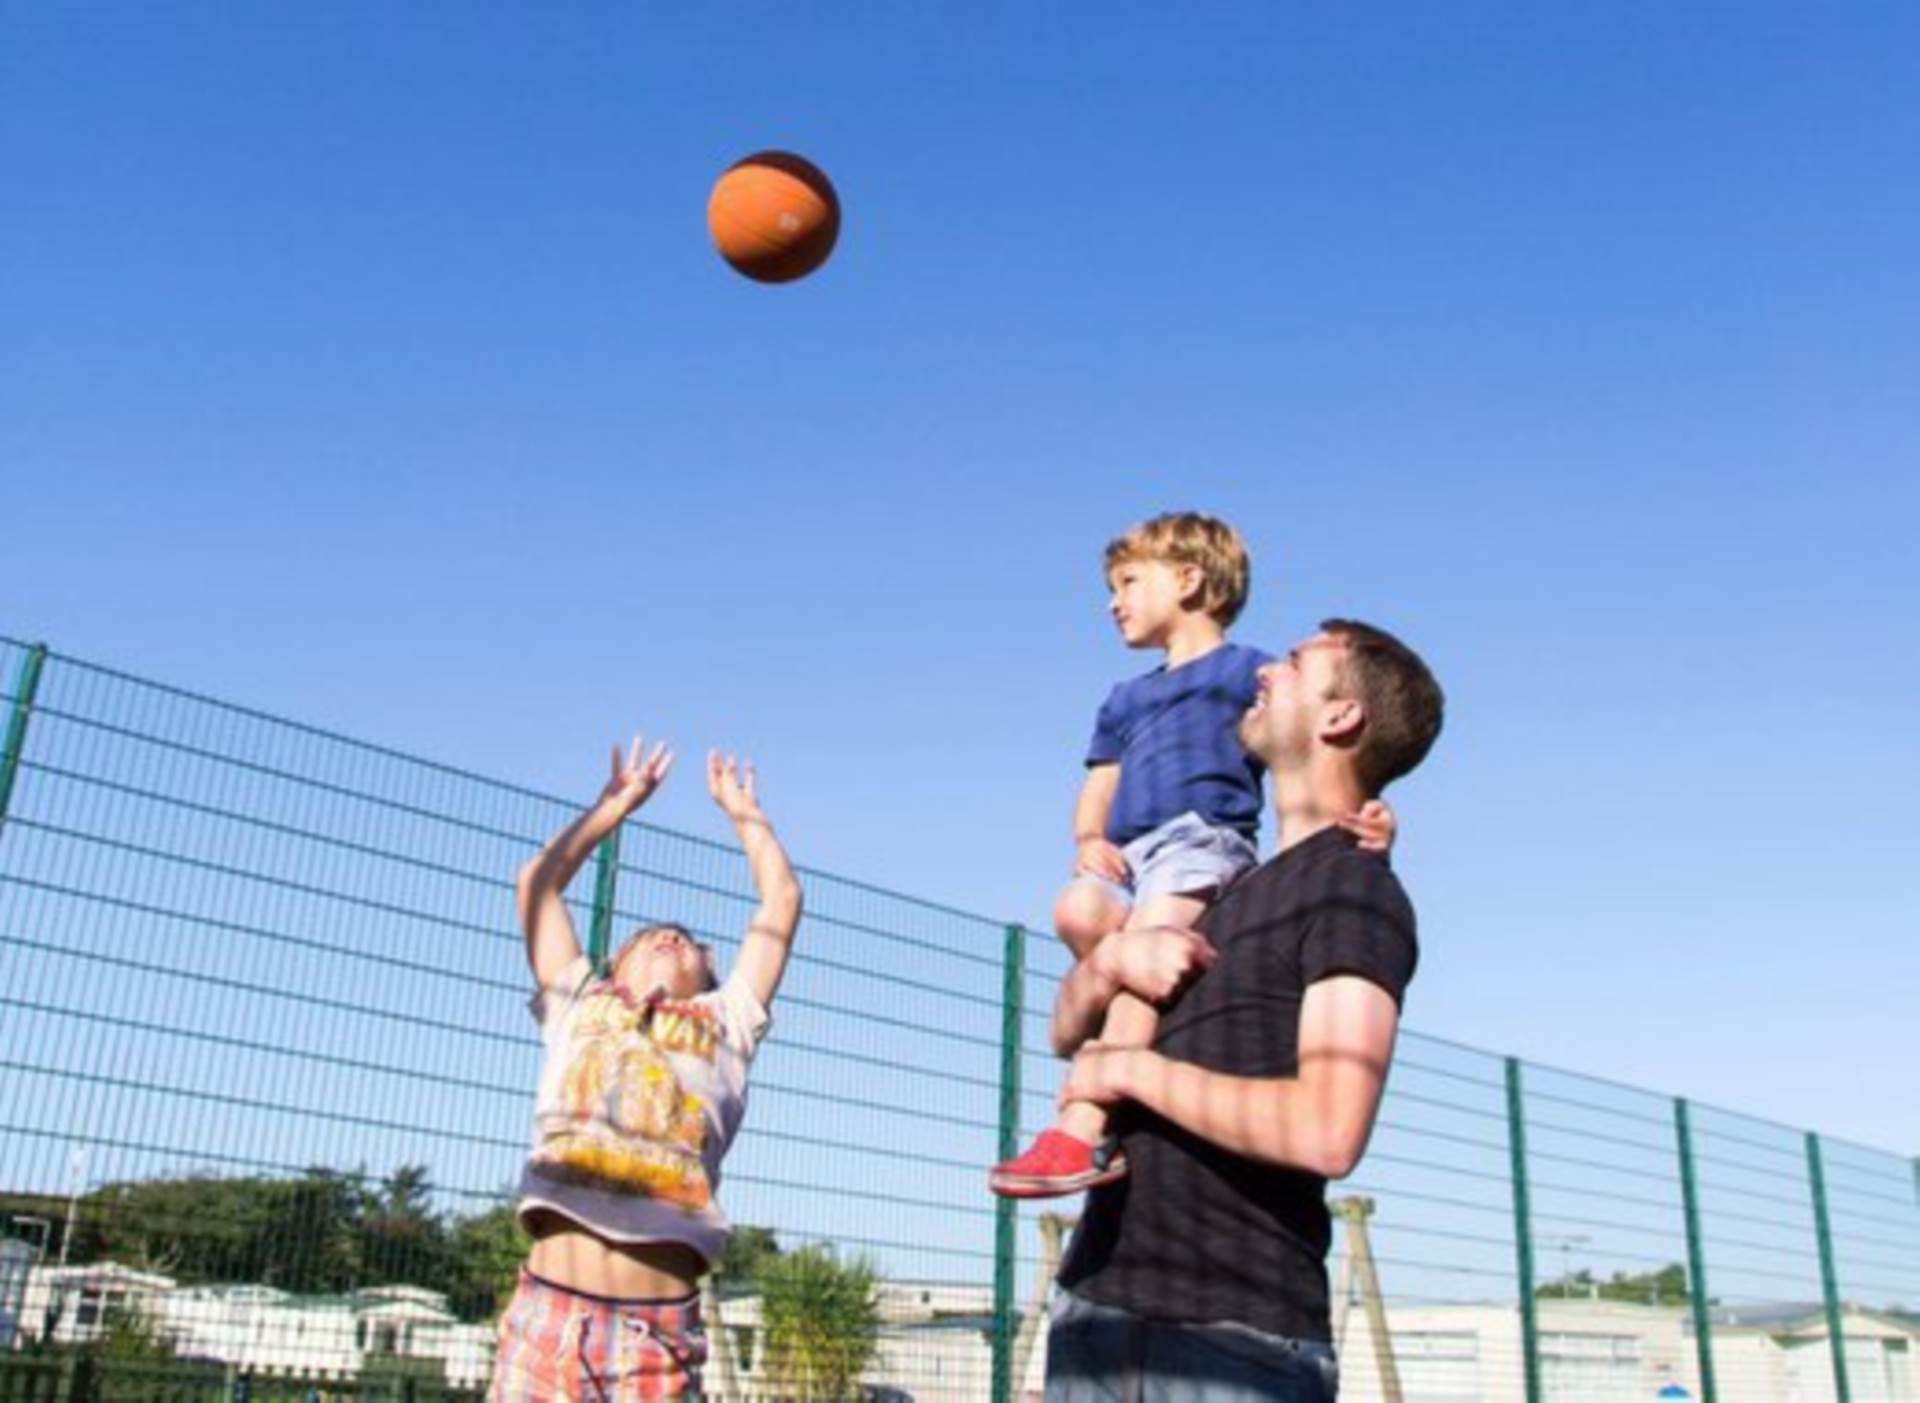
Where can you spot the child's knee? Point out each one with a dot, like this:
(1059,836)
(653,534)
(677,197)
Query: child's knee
(1086,914)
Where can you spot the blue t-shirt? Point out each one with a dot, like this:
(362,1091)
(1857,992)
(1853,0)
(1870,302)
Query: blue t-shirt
(1172,733)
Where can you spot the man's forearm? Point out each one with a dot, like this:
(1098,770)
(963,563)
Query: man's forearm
(1276,1120)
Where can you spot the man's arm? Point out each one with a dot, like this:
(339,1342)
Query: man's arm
(1151,962)
(769,939)
(552,944)
(1318,1121)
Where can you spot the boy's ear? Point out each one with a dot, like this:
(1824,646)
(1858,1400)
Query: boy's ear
(1192,581)
(1343,722)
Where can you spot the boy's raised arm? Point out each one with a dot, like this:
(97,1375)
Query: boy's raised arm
(769,939)
(551,941)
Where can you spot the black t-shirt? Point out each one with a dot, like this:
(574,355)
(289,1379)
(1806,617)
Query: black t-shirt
(1195,1233)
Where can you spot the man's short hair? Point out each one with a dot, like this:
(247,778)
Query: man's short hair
(1403,701)
(1190,538)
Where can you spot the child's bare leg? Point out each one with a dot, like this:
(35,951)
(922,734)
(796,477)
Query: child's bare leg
(1086,914)
(1130,1020)
(1072,1154)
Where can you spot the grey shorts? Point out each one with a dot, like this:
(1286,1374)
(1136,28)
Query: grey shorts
(1185,856)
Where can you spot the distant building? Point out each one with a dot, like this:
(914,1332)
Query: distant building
(936,1346)
(1783,1350)
(1603,1350)
(16,1261)
(935,1342)
(71,1305)
(259,1329)
(264,1331)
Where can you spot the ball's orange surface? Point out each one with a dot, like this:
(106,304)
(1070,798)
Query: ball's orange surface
(774,216)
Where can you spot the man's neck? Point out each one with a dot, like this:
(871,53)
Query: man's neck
(1312,799)
(1192,636)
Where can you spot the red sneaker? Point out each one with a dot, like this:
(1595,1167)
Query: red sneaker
(1057,1164)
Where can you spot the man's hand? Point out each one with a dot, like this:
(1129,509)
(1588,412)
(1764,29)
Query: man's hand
(1154,962)
(733,787)
(1096,857)
(1375,826)
(633,780)
(1101,1074)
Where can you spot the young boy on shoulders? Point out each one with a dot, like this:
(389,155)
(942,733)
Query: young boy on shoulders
(1170,808)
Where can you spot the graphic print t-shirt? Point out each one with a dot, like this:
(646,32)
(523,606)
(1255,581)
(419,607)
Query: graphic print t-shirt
(638,1103)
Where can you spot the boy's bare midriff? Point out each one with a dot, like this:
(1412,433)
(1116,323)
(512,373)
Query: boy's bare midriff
(568,1255)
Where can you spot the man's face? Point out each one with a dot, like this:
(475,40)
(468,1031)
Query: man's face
(1146,599)
(1298,696)
(666,959)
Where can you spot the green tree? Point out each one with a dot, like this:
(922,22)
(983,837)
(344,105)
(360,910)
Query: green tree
(312,1244)
(1665,1287)
(740,1260)
(397,1235)
(821,1317)
(485,1251)
(196,1228)
(324,1231)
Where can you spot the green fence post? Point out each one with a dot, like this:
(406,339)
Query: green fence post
(1006,1213)
(1696,1250)
(1523,1228)
(606,874)
(26,685)
(1829,1279)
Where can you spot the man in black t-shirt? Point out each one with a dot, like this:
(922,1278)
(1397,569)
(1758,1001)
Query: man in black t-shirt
(1202,1275)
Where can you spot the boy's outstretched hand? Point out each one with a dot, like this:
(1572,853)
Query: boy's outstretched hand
(732,785)
(633,779)
(1375,826)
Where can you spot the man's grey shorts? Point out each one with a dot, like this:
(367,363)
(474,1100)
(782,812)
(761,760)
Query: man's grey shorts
(1185,856)
(1099,1354)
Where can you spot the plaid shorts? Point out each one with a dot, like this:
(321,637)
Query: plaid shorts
(556,1343)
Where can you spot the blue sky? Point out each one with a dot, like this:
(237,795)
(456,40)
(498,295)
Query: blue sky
(371,365)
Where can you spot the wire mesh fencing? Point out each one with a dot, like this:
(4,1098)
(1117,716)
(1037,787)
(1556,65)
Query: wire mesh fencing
(267,1071)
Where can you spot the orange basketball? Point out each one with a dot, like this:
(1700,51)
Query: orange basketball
(774,216)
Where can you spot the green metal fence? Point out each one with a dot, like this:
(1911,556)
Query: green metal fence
(266,1072)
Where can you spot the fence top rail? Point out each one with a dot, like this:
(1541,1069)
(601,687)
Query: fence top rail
(498,785)
(458,772)
(1532,1064)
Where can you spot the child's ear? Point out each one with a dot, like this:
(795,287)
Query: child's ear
(1193,581)
(1343,722)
